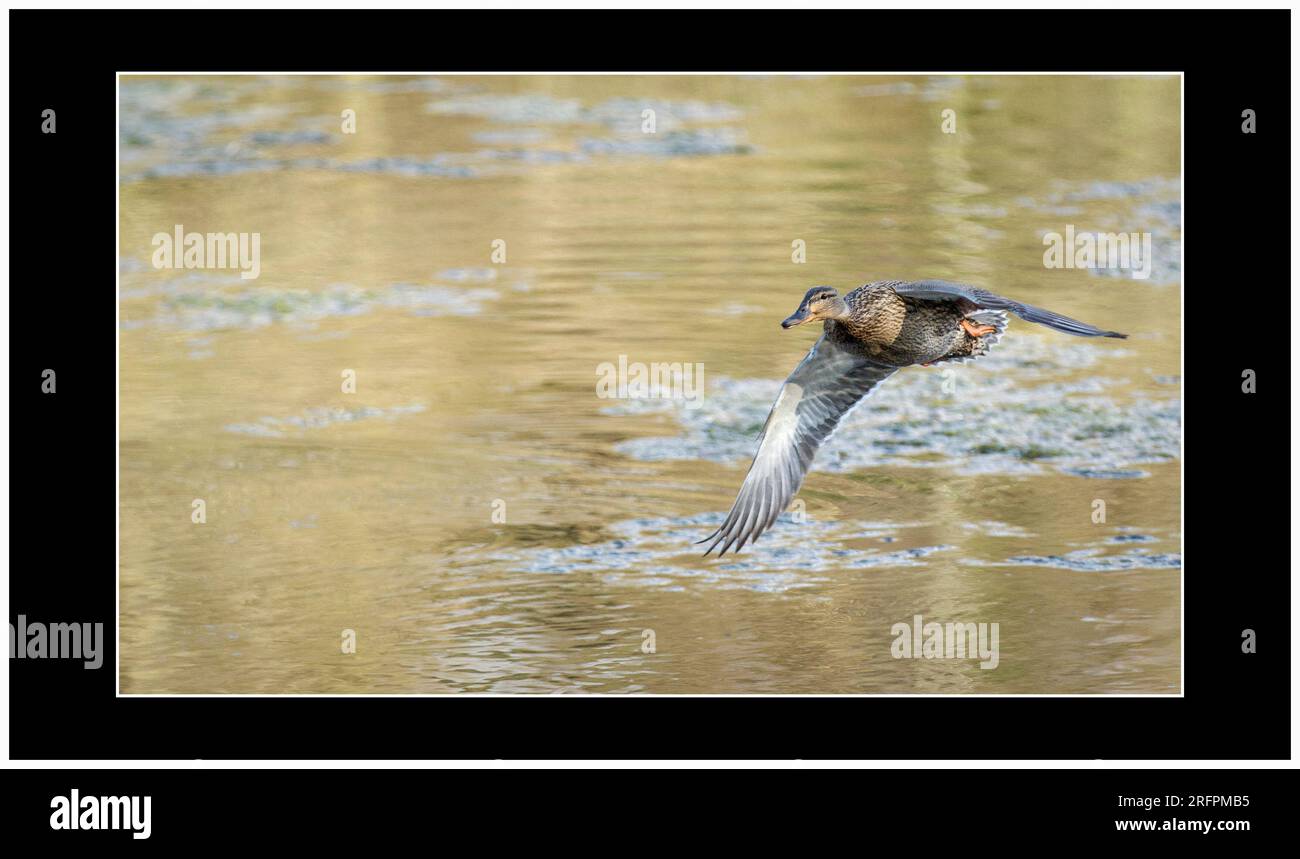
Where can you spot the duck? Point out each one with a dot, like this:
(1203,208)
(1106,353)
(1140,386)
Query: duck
(867,335)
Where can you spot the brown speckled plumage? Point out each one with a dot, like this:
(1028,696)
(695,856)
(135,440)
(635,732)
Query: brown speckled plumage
(867,335)
(899,331)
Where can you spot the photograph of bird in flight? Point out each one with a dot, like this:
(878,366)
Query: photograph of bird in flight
(509,340)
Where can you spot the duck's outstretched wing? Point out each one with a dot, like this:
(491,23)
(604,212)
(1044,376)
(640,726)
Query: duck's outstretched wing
(828,382)
(942,290)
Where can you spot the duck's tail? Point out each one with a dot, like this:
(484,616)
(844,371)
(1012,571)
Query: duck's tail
(978,346)
(996,318)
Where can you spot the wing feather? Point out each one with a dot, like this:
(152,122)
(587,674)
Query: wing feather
(831,379)
(942,290)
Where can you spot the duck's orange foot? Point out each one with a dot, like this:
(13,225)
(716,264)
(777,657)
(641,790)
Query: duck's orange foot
(976,330)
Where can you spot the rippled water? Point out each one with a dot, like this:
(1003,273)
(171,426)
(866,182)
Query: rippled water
(482,521)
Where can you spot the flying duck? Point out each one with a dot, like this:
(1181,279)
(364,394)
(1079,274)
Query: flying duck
(867,335)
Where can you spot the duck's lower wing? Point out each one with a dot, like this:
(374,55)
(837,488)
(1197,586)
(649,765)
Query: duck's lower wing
(828,382)
(942,290)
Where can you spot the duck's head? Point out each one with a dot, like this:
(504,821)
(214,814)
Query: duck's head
(820,302)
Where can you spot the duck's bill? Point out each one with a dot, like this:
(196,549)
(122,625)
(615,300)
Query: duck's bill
(799,317)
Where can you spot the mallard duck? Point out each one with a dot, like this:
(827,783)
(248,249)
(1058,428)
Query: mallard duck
(867,336)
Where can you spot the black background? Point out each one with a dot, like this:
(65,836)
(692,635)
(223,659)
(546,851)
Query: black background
(1237,315)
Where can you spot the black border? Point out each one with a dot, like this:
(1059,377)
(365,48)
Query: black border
(62,447)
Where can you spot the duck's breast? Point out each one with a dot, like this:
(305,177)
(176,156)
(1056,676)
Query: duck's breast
(879,316)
